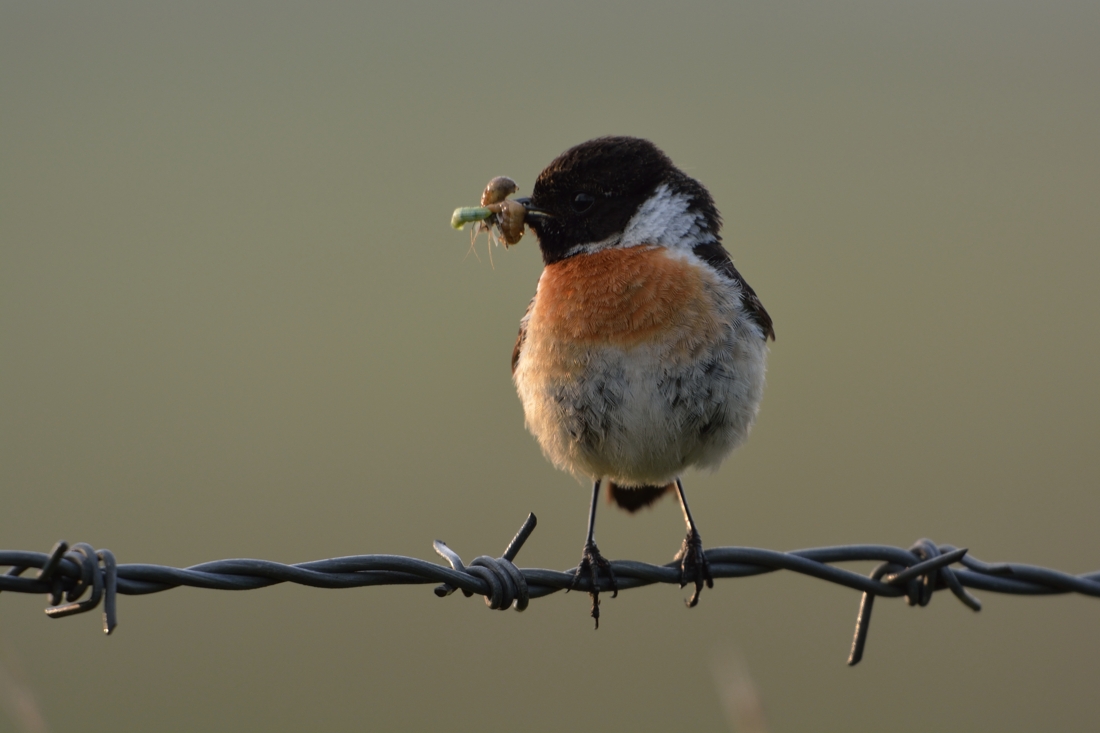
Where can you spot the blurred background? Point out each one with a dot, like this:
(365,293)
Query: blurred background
(234,323)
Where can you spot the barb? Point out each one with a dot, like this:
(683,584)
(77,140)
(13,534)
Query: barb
(72,572)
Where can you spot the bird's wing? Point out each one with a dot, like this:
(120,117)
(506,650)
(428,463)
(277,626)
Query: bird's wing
(522,335)
(715,255)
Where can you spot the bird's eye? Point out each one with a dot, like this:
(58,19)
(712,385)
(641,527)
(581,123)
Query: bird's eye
(582,202)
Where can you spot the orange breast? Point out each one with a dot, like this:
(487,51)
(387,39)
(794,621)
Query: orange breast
(625,298)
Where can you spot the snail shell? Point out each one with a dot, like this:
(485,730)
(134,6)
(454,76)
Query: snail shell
(498,189)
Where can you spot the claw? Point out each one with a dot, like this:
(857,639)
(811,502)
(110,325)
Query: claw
(592,562)
(694,567)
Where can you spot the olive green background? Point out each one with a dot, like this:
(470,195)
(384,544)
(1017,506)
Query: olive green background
(235,323)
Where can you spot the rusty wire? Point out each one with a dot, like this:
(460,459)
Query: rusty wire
(78,578)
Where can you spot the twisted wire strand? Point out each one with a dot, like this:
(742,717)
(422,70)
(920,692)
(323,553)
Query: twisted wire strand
(78,578)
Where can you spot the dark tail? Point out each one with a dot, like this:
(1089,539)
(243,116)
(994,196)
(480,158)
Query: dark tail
(633,498)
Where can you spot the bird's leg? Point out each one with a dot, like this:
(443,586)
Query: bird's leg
(592,561)
(693,561)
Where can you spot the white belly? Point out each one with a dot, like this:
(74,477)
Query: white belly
(633,418)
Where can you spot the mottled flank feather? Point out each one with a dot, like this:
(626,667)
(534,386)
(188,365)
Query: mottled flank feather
(715,255)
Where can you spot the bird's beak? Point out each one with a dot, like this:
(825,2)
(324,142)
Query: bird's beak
(534,214)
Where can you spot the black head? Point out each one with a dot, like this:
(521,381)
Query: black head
(590,192)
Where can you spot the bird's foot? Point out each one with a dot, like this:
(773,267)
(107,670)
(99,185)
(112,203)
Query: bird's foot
(592,562)
(694,567)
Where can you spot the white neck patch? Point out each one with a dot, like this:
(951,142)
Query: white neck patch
(663,219)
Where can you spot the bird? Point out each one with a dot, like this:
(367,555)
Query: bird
(643,351)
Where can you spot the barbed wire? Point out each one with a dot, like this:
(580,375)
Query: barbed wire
(78,578)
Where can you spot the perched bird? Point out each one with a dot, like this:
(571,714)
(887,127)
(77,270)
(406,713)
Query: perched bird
(643,351)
